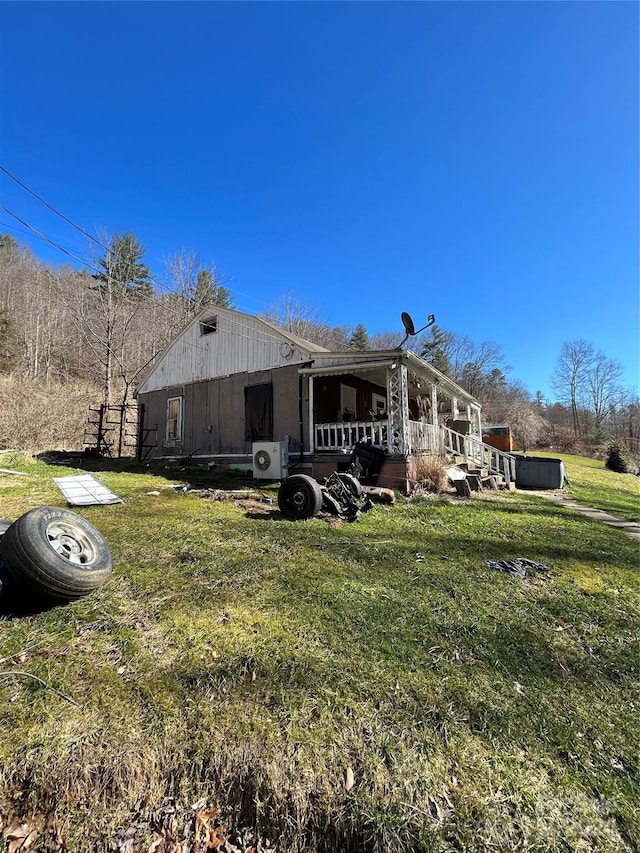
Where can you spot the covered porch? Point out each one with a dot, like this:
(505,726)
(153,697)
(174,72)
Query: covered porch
(393,400)
(398,403)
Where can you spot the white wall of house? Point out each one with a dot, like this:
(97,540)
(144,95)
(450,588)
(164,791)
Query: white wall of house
(239,344)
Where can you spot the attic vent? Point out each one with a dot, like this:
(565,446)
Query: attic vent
(209,326)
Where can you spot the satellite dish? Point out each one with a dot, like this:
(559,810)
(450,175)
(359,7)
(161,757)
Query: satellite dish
(410,329)
(407,322)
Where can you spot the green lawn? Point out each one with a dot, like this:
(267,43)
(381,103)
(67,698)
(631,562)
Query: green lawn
(592,484)
(340,687)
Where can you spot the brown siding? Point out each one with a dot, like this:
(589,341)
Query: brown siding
(219,404)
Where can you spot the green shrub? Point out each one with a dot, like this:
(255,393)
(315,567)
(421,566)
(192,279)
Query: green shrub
(617,460)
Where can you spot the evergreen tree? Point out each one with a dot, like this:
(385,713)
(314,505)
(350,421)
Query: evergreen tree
(8,245)
(539,401)
(617,460)
(359,338)
(123,268)
(209,291)
(434,350)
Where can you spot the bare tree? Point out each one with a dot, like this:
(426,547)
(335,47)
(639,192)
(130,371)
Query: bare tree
(602,381)
(32,317)
(527,425)
(294,314)
(385,340)
(569,379)
(623,420)
(471,363)
(192,285)
(107,315)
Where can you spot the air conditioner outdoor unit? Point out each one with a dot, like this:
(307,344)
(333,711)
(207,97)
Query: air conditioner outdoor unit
(270,459)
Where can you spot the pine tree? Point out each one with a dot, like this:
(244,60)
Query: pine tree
(123,269)
(209,291)
(8,245)
(359,338)
(434,349)
(617,459)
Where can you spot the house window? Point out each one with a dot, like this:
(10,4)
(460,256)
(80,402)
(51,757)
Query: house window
(209,326)
(174,420)
(258,412)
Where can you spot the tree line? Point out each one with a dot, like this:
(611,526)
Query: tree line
(104,325)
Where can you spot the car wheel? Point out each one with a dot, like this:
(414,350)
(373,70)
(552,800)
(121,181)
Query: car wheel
(351,483)
(55,553)
(299,497)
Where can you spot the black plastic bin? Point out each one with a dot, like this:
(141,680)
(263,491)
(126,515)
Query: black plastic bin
(538,472)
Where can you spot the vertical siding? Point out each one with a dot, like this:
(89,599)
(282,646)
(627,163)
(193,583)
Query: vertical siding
(219,403)
(242,344)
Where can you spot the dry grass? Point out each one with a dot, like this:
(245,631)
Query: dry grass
(430,473)
(36,415)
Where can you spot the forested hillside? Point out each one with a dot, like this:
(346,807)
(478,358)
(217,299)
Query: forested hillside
(72,338)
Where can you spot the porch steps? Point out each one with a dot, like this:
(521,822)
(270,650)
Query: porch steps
(472,480)
(470,468)
(469,454)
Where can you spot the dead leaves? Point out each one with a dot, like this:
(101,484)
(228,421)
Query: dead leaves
(21,835)
(177,829)
(349,779)
(209,836)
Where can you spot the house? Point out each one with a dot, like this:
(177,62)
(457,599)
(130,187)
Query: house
(231,379)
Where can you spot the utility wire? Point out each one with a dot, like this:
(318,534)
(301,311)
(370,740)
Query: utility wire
(95,240)
(267,337)
(42,236)
(263,335)
(51,207)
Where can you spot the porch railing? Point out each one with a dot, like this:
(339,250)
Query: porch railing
(343,435)
(425,438)
(476,452)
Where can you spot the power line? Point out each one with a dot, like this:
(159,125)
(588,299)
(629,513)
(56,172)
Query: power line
(267,337)
(51,207)
(82,231)
(42,236)
(263,336)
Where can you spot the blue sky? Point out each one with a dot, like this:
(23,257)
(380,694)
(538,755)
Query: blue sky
(477,161)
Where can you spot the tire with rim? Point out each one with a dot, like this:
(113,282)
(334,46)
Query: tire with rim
(4,526)
(351,483)
(55,553)
(299,497)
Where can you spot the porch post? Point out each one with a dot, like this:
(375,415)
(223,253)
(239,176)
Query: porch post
(478,413)
(434,404)
(454,408)
(398,406)
(312,432)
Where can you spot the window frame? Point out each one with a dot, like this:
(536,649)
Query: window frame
(209,326)
(177,437)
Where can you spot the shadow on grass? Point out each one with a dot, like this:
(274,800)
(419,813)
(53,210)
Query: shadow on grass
(15,605)
(182,470)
